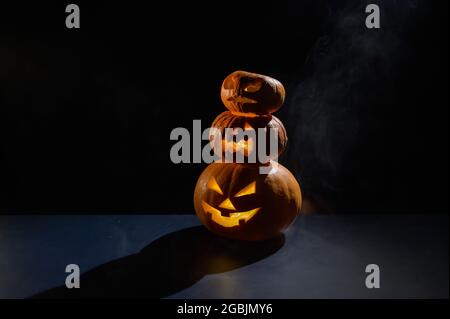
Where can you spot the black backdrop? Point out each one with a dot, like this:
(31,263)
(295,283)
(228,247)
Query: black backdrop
(85,115)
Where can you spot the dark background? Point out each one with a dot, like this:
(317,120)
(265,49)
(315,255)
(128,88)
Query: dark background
(85,115)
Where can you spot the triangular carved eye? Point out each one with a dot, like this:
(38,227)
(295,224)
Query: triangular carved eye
(212,184)
(247,190)
(247,126)
(254,85)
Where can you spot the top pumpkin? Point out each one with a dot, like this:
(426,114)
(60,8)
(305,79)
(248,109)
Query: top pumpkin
(245,92)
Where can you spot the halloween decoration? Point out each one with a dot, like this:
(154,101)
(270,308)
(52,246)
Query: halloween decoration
(247,144)
(245,92)
(234,199)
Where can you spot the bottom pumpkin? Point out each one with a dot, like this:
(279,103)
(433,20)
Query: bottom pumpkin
(236,201)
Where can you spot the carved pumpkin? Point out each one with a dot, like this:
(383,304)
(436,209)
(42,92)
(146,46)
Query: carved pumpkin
(236,201)
(245,92)
(247,145)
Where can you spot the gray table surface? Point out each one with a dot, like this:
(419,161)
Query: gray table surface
(171,256)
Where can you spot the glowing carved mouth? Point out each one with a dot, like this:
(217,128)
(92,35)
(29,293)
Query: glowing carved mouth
(234,219)
(246,147)
(241,99)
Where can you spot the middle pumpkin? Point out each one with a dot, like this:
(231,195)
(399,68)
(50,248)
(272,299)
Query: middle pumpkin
(247,144)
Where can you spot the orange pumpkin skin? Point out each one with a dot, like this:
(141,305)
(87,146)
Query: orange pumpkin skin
(276,197)
(245,92)
(229,120)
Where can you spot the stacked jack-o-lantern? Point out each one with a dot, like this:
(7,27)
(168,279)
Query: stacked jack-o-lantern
(236,200)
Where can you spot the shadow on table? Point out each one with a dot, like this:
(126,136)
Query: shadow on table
(167,265)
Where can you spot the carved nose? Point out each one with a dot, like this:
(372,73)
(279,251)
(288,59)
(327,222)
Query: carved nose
(227,204)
